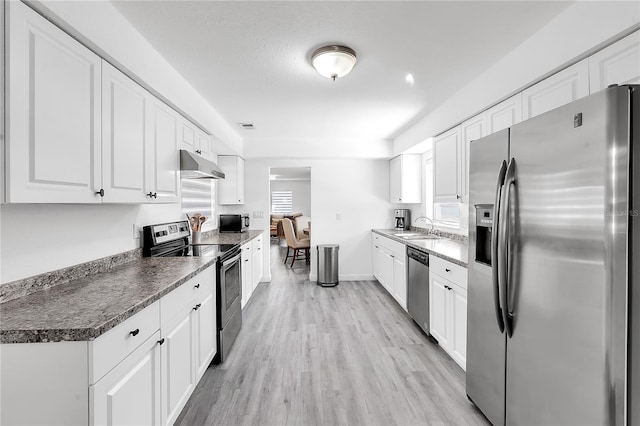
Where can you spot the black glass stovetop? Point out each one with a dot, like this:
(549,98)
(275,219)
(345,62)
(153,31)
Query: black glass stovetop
(199,250)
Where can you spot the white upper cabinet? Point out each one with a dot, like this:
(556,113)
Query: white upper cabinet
(53,114)
(616,64)
(505,114)
(162,147)
(193,139)
(405,179)
(560,89)
(231,188)
(447,185)
(470,130)
(124,117)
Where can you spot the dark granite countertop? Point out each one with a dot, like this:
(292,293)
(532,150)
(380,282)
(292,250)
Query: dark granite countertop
(214,237)
(85,308)
(448,249)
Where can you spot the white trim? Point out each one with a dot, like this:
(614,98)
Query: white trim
(347,277)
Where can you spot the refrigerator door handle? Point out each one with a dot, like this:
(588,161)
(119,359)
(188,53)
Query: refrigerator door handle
(504,239)
(495,255)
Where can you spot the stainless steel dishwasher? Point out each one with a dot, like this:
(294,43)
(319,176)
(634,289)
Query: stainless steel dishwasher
(418,287)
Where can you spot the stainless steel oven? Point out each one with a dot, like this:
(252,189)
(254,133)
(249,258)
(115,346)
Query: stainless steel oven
(229,297)
(171,240)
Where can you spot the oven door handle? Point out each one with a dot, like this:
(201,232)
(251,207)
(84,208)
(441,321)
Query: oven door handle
(232,260)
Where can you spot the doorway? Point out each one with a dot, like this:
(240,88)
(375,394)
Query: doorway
(290,197)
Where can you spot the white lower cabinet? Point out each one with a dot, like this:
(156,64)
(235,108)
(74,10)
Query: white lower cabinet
(390,266)
(141,372)
(130,393)
(448,307)
(246,269)
(205,328)
(177,354)
(252,263)
(257,261)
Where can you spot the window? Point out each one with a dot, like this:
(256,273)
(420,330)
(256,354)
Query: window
(197,197)
(281,202)
(447,214)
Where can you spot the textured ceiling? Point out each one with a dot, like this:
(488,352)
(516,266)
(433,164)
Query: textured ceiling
(250,60)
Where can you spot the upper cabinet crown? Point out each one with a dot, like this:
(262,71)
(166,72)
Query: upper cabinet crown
(405,177)
(231,188)
(79,130)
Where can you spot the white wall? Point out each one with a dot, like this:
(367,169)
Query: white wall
(578,31)
(38,238)
(356,189)
(301,193)
(99,25)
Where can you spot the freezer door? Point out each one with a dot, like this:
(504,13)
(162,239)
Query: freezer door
(567,292)
(485,341)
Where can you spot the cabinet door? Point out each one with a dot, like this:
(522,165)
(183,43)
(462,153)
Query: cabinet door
(163,160)
(188,136)
(130,393)
(400,280)
(178,369)
(446,160)
(231,188)
(204,145)
(240,181)
(53,114)
(616,64)
(247,287)
(438,309)
(395,179)
(256,262)
(458,351)
(560,89)
(205,324)
(376,257)
(505,114)
(124,117)
(470,130)
(386,269)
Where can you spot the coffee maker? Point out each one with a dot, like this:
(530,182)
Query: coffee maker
(402,219)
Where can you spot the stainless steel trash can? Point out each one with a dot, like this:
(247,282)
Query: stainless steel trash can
(328,265)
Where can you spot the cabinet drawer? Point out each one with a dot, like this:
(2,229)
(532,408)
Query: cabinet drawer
(172,303)
(246,251)
(454,273)
(113,346)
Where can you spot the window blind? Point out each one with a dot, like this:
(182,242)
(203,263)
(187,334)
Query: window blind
(197,197)
(281,202)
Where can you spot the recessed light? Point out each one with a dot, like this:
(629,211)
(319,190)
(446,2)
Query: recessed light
(247,126)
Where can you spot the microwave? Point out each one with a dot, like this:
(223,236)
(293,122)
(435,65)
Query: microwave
(233,222)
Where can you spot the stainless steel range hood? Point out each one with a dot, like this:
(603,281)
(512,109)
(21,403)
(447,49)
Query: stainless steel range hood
(193,166)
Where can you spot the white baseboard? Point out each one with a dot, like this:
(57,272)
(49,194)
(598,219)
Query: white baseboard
(347,277)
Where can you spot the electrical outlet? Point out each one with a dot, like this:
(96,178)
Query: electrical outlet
(258,215)
(136,231)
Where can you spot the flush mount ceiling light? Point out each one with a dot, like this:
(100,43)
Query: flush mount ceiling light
(333,61)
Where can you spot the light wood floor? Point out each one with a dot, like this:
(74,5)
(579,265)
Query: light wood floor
(347,355)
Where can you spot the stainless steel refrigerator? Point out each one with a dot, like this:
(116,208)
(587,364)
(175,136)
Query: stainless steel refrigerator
(552,267)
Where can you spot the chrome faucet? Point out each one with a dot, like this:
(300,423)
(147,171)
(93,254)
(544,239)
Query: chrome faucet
(425,219)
